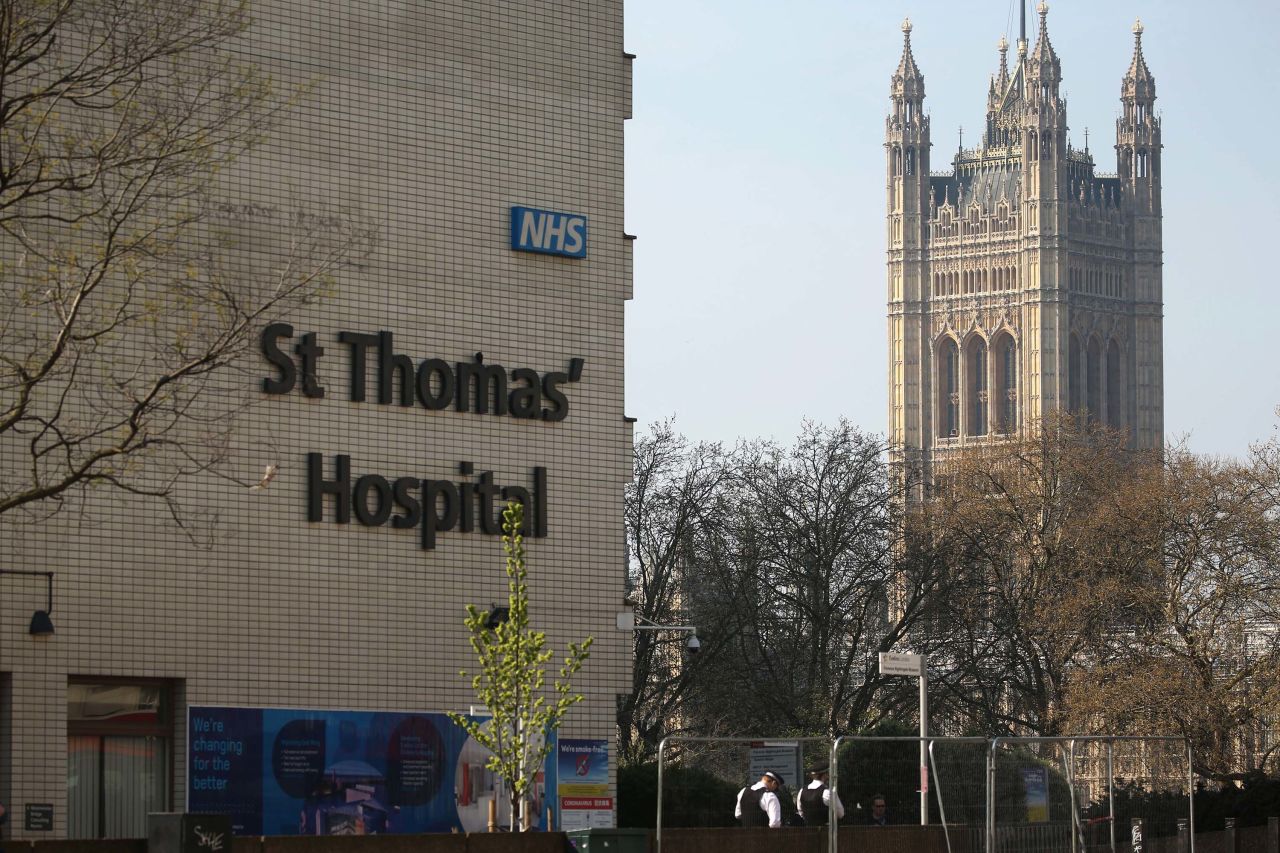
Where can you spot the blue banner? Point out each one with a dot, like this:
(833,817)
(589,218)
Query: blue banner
(291,772)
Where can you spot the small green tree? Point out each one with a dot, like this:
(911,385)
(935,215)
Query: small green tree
(512,676)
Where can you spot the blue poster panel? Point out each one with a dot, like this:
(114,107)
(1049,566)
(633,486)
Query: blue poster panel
(291,772)
(583,767)
(582,784)
(1035,782)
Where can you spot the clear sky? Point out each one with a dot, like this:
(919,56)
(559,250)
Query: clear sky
(755,185)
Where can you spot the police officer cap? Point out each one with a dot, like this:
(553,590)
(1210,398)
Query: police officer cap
(819,768)
(777,777)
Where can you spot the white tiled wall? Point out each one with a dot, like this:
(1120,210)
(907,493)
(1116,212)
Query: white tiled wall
(430,120)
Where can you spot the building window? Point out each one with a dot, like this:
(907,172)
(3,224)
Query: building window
(1006,364)
(1094,389)
(119,752)
(948,379)
(977,391)
(1115,418)
(1075,373)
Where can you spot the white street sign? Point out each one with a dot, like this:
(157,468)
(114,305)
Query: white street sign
(894,663)
(779,756)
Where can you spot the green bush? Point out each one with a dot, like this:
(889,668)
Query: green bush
(892,768)
(1251,804)
(691,797)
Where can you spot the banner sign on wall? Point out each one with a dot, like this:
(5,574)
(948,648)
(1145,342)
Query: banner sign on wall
(582,784)
(290,772)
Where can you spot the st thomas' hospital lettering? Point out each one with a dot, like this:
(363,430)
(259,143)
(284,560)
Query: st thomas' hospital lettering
(469,386)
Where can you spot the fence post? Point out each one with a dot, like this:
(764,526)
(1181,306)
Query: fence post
(1111,795)
(1273,835)
(1136,836)
(1230,836)
(1184,836)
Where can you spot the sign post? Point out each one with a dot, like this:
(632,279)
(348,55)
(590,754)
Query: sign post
(896,663)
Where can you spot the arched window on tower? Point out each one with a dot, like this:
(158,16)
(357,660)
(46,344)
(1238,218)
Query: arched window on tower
(1075,373)
(1142,163)
(947,381)
(976,385)
(911,161)
(1093,393)
(1005,362)
(1115,386)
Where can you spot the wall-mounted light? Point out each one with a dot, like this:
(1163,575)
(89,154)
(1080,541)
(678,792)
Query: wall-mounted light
(496,616)
(41,620)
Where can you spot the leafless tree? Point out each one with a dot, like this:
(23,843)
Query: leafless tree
(123,302)
(675,509)
(1042,562)
(812,584)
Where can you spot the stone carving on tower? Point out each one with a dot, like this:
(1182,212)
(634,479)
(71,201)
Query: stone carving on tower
(1022,280)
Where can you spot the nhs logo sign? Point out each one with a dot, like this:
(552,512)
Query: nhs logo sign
(548,232)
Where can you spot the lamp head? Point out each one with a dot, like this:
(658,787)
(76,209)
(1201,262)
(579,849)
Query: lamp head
(496,616)
(41,624)
(695,645)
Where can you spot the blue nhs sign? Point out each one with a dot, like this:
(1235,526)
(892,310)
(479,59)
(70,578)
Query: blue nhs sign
(548,232)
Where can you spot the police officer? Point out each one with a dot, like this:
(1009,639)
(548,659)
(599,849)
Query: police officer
(759,804)
(816,801)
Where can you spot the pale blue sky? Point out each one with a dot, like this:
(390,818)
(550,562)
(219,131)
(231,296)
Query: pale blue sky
(755,184)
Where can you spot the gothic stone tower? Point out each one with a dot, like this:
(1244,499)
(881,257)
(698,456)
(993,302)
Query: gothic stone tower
(1021,281)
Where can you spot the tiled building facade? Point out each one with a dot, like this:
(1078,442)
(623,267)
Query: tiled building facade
(430,120)
(1021,281)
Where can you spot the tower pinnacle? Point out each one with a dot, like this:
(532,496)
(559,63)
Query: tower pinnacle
(1139,76)
(1044,48)
(908,81)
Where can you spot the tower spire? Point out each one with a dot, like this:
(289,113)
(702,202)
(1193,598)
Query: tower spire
(907,68)
(1138,128)
(907,86)
(1139,76)
(1002,95)
(1044,48)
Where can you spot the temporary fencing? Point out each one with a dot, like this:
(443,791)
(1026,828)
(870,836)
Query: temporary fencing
(1081,794)
(952,781)
(736,759)
(1002,795)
